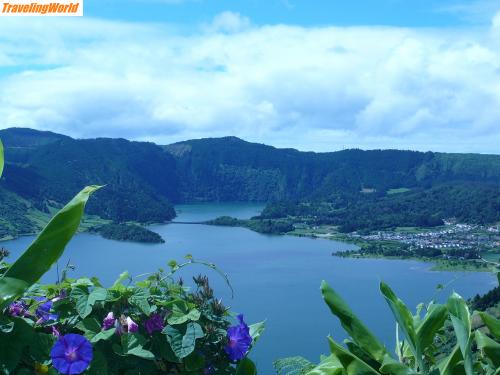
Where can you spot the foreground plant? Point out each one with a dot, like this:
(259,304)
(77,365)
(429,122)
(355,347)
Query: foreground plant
(151,326)
(419,352)
(156,325)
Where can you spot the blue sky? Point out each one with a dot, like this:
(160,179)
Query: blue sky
(313,75)
(410,13)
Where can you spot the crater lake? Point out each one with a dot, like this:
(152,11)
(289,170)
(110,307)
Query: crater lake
(275,278)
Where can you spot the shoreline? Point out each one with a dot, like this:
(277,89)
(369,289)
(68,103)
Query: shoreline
(450,265)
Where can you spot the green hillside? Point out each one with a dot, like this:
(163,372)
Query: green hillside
(231,169)
(353,188)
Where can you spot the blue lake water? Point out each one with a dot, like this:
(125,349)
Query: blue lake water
(274,277)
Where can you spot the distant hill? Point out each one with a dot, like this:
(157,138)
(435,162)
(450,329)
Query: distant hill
(45,169)
(231,169)
(139,177)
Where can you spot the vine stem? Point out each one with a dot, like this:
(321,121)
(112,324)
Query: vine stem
(212,266)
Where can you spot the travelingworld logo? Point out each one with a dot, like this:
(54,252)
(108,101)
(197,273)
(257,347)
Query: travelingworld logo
(31,8)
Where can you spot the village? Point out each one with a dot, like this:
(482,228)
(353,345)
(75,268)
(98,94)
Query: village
(453,239)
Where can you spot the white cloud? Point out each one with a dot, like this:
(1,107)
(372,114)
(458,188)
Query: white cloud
(228,22)
(496,22)
(320,88)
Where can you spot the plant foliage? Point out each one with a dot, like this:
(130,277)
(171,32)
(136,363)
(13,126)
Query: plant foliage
(418,352)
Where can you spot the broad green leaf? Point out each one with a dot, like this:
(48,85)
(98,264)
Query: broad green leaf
(256,330)
(11,287)
(140,300)
(448,365)
(461,320)
(89,326)
(492,323)
(160,345)
(99,365)
(350,322)
(92,330)
(194,362)
(352,364)
(361,354)
(84,281)
(103,335)
(405,320)
(85,300)
(40,347)
(181,314)
(433,321)
(489,347)
(393,367)
(182,339)
(118,284)
(132,344)
(246,367)
(328,366)
(46,249)
(1,158)
(12,344)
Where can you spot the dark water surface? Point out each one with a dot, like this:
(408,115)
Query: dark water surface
(274,277)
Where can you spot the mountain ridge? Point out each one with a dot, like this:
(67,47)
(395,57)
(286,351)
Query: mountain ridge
(144,179)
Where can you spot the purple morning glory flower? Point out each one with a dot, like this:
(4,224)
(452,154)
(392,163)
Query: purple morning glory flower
(18,308)
(71,354)
(43,311)
(109,321)
(131,325)
(154,323)
(239,340)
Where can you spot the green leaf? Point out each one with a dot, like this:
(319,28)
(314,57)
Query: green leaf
(1,158)
(13,344)
(246,367)
(140,300)
(351,363)
(99,365)
(89,326)
(489,347)
(194,362)
(405,320)
(118,284)
(256,330)
(92,330)
(181,314)
(393,367)
(461,320)
(132,344)
(433,321)
(350,322)
(448,365)
(46,249)
(492,323)
(85,300)
(328,366)
(103,335)
(40,347)
(182,339)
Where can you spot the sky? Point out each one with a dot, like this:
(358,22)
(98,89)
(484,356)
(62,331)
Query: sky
(312,75)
